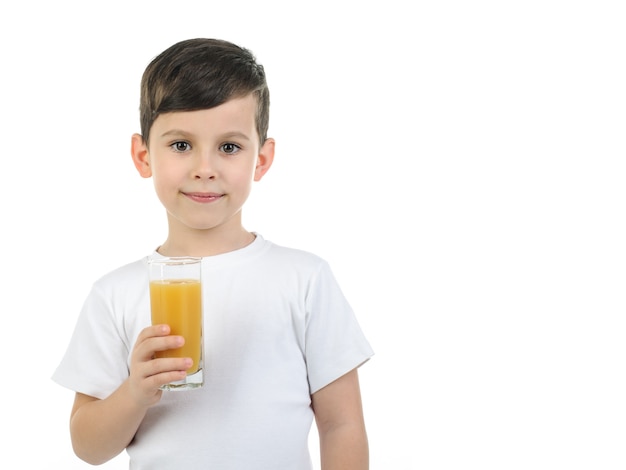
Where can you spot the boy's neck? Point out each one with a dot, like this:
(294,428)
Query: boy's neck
(205,243)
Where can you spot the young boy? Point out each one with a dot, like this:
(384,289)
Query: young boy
(282,345)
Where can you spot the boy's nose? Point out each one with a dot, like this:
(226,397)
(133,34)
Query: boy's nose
(204,167)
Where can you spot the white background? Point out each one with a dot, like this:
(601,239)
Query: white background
(460,165)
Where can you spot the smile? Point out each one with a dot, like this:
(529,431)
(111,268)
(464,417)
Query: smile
(204,198)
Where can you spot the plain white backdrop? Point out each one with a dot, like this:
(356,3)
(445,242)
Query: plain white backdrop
(461,165)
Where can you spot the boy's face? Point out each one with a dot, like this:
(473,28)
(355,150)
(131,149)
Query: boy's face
(203,164)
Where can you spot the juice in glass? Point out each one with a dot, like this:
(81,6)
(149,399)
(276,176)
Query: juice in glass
(178,303)
(176,300)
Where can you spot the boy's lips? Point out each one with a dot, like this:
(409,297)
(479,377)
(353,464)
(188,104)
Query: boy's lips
(203,197)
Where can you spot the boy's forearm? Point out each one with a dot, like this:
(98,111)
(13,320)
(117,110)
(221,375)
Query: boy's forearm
(344,448)
(101,429)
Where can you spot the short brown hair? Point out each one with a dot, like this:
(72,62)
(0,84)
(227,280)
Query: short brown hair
(200,74)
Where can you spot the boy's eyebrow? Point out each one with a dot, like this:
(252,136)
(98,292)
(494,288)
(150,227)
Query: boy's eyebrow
(235,134)
(225,135)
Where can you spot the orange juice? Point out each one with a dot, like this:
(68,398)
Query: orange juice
(178,303)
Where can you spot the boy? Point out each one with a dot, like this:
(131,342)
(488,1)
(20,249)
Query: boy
(281,343)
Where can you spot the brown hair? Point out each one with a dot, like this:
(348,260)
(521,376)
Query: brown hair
(199,74)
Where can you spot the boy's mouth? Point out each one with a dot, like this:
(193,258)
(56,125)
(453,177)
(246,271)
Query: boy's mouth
(203,197)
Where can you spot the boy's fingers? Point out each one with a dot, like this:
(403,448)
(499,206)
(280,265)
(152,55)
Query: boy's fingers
(163,378)
(176,365)
(146,349)
(148,343)
(166,342)
(153,330)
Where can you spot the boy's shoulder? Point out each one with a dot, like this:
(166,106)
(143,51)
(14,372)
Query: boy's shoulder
(127,275)
(293,253)
(295,256)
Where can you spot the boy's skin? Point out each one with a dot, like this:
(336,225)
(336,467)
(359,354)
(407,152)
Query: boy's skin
(203,164)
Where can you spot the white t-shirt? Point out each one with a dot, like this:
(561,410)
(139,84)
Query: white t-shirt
(277,328)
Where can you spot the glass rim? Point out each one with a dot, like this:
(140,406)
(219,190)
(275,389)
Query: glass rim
(175,260)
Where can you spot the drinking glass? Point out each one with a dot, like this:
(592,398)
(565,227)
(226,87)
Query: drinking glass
(176,300)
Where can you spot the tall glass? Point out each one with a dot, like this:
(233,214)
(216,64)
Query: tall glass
(176,300)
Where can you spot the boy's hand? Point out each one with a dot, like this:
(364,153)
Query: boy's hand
(147,374)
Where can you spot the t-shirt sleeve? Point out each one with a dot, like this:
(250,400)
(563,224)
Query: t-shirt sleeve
(96,360)
(334,341)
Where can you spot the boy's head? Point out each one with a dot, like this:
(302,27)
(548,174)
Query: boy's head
(200,74)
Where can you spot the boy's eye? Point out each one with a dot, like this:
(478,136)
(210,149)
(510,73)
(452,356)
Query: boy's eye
(230,148)
(180,146)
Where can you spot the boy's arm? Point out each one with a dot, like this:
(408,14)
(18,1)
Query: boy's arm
(101,429)
(339,418)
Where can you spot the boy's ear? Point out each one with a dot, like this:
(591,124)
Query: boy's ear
(141,159)
(264,159)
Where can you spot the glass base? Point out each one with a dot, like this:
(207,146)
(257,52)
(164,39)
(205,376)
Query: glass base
(190,382)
